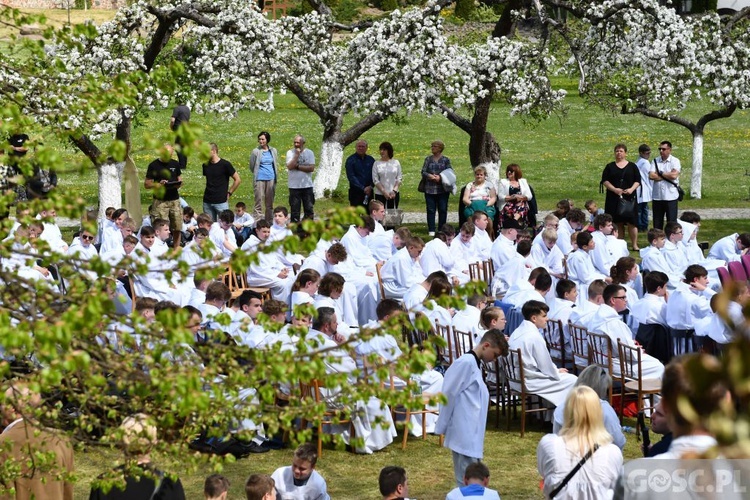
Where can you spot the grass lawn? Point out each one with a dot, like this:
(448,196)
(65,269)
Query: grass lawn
(510,458)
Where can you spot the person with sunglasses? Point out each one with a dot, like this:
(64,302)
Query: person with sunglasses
(609,321)
(665,173)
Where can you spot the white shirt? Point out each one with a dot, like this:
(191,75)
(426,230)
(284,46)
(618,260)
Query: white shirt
(314,489)
(647,185)
(664,190)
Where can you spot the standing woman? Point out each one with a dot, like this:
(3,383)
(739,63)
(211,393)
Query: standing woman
(436,196)
(263,162)
(583,436)
(386,177)
(513,195)
(622,178)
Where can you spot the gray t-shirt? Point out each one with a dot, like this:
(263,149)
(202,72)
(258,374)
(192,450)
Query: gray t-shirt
(297,178)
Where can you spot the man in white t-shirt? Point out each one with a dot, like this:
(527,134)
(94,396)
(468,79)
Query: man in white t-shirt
(300,162)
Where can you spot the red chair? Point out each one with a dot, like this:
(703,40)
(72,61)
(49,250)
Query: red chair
(746,263)
(737,271)
(724,277)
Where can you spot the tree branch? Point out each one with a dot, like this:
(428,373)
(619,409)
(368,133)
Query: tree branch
(359,128)
(716,114)
(456,119)
(737,17)
(654,114)
(308,101)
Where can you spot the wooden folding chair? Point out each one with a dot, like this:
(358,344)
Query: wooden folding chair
(579,343)
(407,413)
(444,354)
(378,267)
(463,342)
(631,377)
(514,374)
(331,416)
(600,350)
(555,340)
(494,378)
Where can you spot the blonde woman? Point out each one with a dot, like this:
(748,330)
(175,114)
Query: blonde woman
(584,440)
(480,195)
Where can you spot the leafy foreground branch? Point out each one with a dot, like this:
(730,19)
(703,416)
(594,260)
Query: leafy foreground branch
(94,368)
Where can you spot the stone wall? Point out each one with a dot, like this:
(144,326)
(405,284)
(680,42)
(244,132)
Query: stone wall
(60,4)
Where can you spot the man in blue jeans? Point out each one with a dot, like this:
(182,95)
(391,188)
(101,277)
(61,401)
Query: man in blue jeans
(647,185)
(217,172)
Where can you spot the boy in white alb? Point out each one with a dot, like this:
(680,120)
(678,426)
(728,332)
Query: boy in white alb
(269,271)
(301,481)
(482,240)
(402,270)
(543,378)
(581,269)
(463,417)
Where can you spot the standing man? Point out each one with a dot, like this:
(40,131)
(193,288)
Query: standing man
(263,162)
(359,173)
(180,115)
(647,186)
(300,162)
(217,172)
(665,171)
(463,418)
(165,178)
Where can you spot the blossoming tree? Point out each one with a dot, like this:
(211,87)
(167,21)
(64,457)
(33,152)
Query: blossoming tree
(394,66)
(638,56)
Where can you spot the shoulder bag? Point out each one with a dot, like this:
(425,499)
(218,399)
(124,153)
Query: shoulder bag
(626,207)
(573,472)
(680,191)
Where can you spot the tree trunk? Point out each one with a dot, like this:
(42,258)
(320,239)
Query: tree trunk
(110,190)
(329,166)
(697,174)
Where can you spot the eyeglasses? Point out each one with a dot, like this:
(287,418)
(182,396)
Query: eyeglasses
(624,297)
(87,238)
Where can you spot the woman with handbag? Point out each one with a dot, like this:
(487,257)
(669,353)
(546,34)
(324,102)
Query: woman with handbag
(580,462)
(622,178)
(513,196)
(435,193)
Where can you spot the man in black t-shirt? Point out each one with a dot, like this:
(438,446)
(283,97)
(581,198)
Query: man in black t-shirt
(165,178)
(217,172)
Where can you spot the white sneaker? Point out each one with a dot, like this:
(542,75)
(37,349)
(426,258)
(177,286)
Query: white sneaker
(431,233)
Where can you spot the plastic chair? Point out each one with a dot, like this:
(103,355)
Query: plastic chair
(737,271)
(724,276)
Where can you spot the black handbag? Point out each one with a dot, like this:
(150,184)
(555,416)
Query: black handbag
(625,207)
(421,185)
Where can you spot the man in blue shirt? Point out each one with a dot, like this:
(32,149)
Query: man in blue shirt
(359,173)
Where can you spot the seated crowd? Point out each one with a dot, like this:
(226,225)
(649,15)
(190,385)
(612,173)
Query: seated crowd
(565,274)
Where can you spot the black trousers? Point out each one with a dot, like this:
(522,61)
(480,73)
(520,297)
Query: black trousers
(304,197)
(662,208)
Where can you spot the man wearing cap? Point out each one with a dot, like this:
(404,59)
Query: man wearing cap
(647,185)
